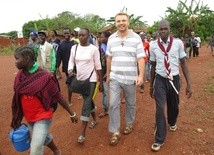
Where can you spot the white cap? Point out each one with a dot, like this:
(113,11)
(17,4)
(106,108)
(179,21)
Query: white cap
(77,29)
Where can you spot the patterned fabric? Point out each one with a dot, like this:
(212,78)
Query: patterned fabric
(41,84)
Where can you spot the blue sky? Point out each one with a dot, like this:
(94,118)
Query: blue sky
(14,13)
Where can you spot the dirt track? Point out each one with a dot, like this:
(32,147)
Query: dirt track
(196,113)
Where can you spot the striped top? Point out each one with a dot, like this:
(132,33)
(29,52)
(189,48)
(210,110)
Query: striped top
(124,53)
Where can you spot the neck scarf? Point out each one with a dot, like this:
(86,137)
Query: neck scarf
(166,60)
(41,84)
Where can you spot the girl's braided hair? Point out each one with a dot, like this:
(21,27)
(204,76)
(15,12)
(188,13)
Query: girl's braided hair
(25,51)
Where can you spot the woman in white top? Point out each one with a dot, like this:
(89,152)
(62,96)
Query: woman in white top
(87,60)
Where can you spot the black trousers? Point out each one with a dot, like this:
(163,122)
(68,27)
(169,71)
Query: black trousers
(165,94)
(195,51)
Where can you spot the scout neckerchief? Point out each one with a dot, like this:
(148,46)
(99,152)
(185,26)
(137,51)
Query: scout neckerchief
(166,60)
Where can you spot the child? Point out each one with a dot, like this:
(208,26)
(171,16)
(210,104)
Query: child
(35,90)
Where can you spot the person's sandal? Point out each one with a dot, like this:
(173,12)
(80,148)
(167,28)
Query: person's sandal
(79,97)
(115,139)
(128,129)
(81,139)
(92,124)
(69,103)
(156,146)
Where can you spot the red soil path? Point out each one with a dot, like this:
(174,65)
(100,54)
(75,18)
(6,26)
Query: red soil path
(195,113)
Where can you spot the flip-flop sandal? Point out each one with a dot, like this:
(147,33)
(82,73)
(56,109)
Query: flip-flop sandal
(79,97)
(115,139)
(128,129)
(81,139)
(92,124)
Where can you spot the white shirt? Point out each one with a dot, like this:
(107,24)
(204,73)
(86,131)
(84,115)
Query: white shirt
(175,54)
(87,59)
(43,55)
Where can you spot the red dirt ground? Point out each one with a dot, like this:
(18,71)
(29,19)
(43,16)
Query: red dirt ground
(195,134)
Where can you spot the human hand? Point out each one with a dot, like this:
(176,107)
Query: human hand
(71,73)
(188,92)
(100,87)
(151,92)
(107,79)
(139,81)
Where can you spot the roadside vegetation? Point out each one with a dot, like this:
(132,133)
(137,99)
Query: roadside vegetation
(9,50)
(190,15)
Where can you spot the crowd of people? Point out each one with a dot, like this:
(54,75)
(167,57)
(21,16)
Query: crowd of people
(118,63)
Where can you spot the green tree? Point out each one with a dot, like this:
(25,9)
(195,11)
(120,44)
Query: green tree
(135,22)
(194,17)
(65,20)
(93,22)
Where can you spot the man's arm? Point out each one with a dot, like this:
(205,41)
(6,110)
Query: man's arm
(100,77)
(53,61)
(141,69)
(152,74)
(109,59)
(58,56)
(185,71)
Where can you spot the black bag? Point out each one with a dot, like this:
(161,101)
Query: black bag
(80,86)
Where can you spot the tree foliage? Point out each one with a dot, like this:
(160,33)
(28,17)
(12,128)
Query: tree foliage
(135,21)
(194,17)
(185,18)
(65,20)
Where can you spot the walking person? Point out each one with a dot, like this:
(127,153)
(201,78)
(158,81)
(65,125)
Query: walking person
(86,57)
(166,54)
(104,38)
(54,40)
(34,42)
(46,55)
(146,47)
(32,100)
(196,43)
(211,44)
(187,45)
(125,58)
(63,55)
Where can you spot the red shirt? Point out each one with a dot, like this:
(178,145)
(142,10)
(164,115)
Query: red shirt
(146,49)
(33,110)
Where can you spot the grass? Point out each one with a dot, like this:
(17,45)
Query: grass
(7,50)
(209,88)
